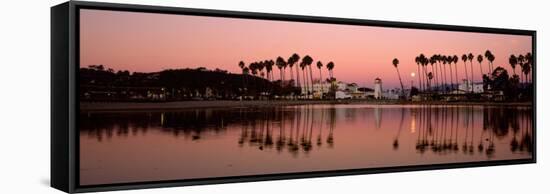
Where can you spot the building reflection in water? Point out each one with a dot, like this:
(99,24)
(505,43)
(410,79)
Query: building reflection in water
(440,130)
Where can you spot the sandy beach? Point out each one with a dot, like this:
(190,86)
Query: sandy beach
(135,106)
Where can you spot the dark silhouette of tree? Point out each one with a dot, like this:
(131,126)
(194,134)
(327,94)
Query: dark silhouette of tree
(306,62)
(418,63)
(320,66)
(471,58)
(490,57)
(513,61)
(529,63)
(433,60)
(479,60)
(450,62)
(280,63)
(521,62)
(464,59)
(291,61)
(444,61)
(395,62)
(455,61)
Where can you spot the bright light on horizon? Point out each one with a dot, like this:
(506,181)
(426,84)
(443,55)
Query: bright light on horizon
(412,74)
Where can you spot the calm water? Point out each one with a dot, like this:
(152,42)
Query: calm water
(199,143)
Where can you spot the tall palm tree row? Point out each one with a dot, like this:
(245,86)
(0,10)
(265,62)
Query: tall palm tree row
(304,80)
(525,62)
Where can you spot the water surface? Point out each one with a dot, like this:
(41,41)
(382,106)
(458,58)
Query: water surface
(121,147)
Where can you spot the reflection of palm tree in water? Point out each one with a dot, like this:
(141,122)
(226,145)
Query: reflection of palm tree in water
(396,141)
(320,136)
(306,143)
(377,117)
(281,140)
(330,137)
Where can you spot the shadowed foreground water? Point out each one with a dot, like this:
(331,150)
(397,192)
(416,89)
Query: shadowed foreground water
(121,147)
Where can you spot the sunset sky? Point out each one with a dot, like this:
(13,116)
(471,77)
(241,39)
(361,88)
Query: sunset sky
(146,42)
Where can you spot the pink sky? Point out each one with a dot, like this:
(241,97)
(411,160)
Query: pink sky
(147,42)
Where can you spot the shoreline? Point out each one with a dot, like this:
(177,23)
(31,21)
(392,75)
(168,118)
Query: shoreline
(180,105)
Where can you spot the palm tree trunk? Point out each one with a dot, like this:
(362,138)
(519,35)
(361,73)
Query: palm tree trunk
(466,72)
(292,76)
(456,76)
(481,71)
(427,80)
(419,78)
(298,84)
(305,81)
(311,79)
(400,82)
(472,75)
(451,74)
(441,74)
(435,76)
(321,82)
(445,78)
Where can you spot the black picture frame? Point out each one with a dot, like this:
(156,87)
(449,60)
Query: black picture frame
(64,107)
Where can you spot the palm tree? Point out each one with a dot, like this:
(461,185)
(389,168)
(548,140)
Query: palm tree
(455,60)
(443,59)
(319,66)
(432,62)
(290,64)
(269,69)
(450,61)
(513,60)
(261,66)
(529,62)
(470,58)
(430,76)
(425,63)
(330,66)
(395,62)
(479,60)
(306,61)
(280,62)
(521,60)
(490,57)
(417,61)
(526,69)
(464,59)
(291,61)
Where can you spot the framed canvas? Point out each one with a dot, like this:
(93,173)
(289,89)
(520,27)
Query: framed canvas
(149,96)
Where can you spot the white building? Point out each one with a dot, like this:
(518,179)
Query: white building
(377,88)
(467,86)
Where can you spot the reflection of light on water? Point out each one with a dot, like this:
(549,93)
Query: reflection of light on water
(413,122)
(161,119)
